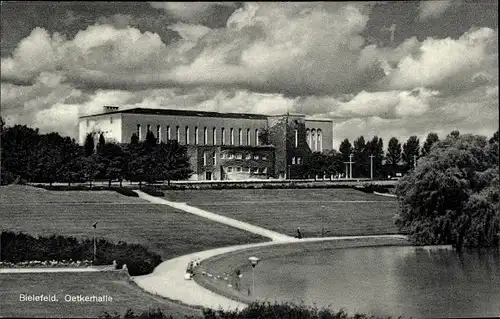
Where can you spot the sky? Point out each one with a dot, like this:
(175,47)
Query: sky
(375,68)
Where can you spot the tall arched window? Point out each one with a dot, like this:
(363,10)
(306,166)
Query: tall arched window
(139,135)
(240,137)
(223,136)
(205,136)
(313,138)
(296,135)
(231,136)
(257,137)
(169,134)
(196,141)
(308,138)
(178,134)
(248,136)
(319,141)
(187,135)
(214,136)
(158,134)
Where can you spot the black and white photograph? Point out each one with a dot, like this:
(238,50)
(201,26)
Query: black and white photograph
(234,160)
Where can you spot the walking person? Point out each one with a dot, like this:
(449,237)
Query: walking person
(299,234)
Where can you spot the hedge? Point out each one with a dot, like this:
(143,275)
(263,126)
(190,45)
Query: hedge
(22,247)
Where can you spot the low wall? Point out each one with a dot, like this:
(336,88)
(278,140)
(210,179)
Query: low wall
(234,184)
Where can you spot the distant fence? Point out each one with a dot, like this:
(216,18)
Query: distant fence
(228,184)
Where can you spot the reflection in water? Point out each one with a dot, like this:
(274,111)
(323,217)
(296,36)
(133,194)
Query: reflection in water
(410,281)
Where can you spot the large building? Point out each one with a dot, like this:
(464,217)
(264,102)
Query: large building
(221,146)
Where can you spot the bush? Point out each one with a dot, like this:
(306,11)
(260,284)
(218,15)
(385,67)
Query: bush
(126,191)
(266,310)
(22,247)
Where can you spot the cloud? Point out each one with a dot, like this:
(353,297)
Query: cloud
(193,12)
(444,64)
(268,47)
(433,8)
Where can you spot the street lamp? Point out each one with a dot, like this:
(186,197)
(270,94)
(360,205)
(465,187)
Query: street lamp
(253,261)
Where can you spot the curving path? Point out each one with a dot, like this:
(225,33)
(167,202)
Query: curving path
(167,279)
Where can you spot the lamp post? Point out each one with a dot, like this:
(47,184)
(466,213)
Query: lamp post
(350,165)
(95,245)
(371,166)
(253,261)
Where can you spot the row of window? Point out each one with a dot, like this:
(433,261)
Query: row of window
(239,169)
(213,137)
(315,140)
(240,156)
(207,155)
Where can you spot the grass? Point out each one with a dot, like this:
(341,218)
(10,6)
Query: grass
(125,295)
(313,210)
(160,228)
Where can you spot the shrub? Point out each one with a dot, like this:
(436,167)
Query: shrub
(22,247)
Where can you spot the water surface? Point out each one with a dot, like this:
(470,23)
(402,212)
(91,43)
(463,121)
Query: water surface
(389,281)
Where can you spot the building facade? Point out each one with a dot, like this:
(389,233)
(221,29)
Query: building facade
(221,146)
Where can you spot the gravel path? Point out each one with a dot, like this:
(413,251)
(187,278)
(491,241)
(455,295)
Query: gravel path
(167,279)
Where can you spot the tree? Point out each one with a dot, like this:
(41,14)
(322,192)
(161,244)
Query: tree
(91,167)
(101,142)
(430,140)
(393,156)
(150,139)
(134,139)
(494,138)
(112,158)
(361,158)
(452,195)
(263,136)
(375,148)
(18,157)
(89,144)
(411,151)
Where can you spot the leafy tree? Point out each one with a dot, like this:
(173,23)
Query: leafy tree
(393,156)
(454,134)
(375,147)
(112,159)
(452,195)
(91,167)
(89,144)
(134,139)
(18,157)
(101,142)
(494,138)
(150,139)
(361,158)
(430,140)
(411,151)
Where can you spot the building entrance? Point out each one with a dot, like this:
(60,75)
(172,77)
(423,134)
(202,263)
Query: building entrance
(208,176)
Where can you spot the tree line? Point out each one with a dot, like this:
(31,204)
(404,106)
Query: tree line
(398,158)
(47,158)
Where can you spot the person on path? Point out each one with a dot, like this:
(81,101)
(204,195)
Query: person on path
(299,234)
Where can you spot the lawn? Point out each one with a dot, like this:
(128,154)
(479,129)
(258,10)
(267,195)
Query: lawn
(124,293)
(162,229)
(333,212)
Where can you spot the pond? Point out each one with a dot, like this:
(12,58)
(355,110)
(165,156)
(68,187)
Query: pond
(385,281)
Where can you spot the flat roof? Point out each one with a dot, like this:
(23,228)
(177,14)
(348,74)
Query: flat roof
(146,111)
